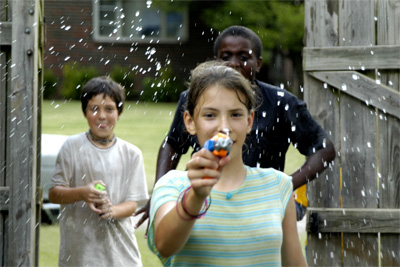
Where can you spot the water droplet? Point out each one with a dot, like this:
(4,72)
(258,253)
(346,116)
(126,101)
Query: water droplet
(264,114)
(355,77)
(344,87)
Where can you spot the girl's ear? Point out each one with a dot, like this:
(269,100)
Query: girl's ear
(189,123)
(250,121)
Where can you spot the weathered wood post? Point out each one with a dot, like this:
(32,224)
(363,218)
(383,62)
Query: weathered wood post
(352,87)
(21,61)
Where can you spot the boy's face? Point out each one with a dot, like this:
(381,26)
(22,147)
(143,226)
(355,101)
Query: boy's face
(102,116)
(240,55)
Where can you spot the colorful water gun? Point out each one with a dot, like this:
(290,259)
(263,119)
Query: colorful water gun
(220,145)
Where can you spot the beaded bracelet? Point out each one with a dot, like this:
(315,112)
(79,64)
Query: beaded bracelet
(206,206)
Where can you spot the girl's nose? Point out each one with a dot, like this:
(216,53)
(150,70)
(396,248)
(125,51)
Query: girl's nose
(224,126)
(225,131)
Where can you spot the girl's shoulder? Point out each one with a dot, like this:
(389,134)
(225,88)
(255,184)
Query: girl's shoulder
(268,174)
(174,178)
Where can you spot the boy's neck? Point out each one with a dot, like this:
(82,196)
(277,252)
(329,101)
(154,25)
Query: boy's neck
(102,142)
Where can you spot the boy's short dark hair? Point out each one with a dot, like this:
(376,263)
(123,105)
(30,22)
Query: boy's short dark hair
(240,31)
(103,85)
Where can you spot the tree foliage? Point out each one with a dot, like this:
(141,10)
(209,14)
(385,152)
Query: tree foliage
(280,24)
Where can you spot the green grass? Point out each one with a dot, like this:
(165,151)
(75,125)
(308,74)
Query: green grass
(144,125)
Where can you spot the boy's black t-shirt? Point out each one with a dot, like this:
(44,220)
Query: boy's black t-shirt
(280,119)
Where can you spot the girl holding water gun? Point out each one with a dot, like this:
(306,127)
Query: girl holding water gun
(221,212)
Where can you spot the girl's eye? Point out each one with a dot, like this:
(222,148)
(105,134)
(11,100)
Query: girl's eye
(209,115)
(237,115)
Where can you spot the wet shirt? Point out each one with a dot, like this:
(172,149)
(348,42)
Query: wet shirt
(86,239)
(280,119)
(242,227)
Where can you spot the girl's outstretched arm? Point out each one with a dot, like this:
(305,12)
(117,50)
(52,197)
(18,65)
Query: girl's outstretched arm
(172,223)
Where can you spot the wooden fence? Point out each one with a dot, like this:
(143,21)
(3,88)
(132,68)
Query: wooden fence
(21,61)
(352,87)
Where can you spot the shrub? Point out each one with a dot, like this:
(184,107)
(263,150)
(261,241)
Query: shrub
(165,87)
(50,86)
(126,78)
(75,77)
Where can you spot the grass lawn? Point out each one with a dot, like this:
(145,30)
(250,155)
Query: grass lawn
(144,125)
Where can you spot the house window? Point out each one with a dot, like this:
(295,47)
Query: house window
(138,21)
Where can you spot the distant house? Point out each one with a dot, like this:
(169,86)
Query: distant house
(135,34)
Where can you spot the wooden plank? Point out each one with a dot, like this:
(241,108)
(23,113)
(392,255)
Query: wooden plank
(371,92)
(325,190)
(358,133)
(5,33)
(388,33)
(351,58)
(21,135)
(4,198)
(333,220)
(321,20)
(5,55)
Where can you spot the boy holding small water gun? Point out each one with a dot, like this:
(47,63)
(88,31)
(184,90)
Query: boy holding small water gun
(98,181)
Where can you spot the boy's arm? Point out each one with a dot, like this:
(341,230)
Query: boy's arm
(119,211)
(66,195)
(167,160)
(314,164)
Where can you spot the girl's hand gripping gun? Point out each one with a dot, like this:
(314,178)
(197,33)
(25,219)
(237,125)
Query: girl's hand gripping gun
(220,145)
